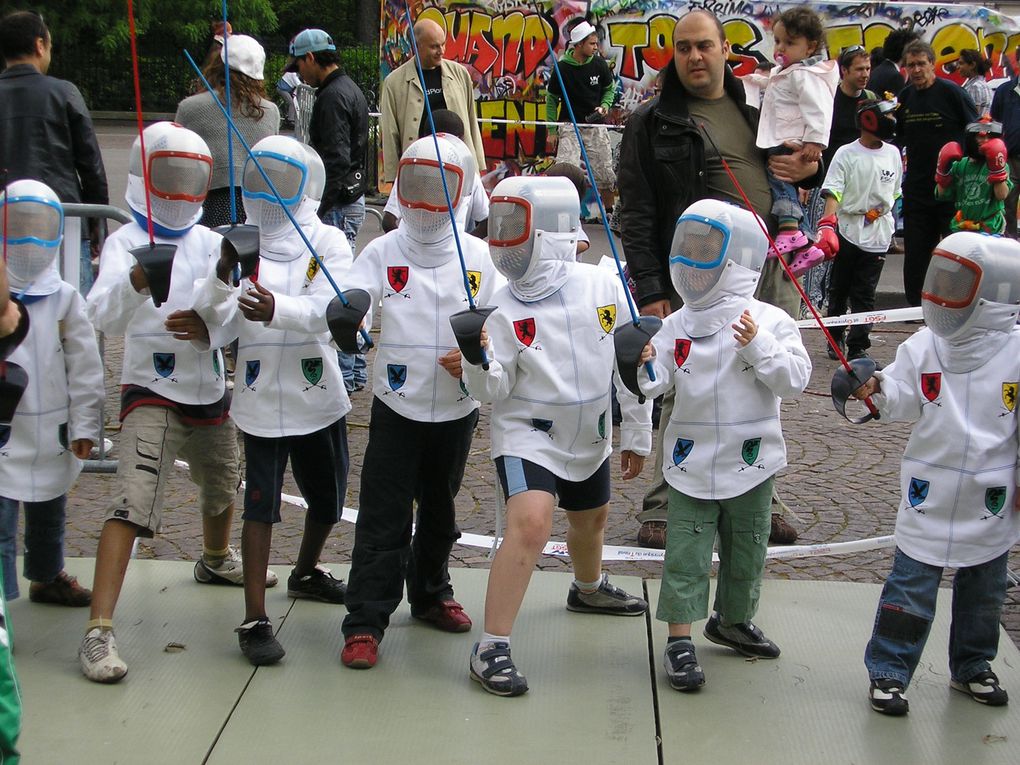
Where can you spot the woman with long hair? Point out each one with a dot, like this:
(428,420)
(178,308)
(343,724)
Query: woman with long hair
(255,116)
(973,67)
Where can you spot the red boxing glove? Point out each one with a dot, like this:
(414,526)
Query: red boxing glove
(949,153)
(994,152)
(828,242)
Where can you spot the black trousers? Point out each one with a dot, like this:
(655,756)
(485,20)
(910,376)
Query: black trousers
(924,226)
(853,281)
(406,462)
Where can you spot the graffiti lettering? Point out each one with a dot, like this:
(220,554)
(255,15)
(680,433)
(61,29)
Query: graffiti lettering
(512,141)
(643,42)
(929,15)
(512,43)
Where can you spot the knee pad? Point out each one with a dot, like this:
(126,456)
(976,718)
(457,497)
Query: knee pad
(902,626)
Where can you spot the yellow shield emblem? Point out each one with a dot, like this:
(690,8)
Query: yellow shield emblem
(607,317)
(313,269)
(474,282)
(1009,395)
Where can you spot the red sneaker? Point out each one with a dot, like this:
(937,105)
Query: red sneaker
(448,615)
(360,652)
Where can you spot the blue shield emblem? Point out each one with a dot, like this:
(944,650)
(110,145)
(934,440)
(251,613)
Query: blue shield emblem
(396,375)
(164,363)
(544,425)
(918,491)
(5,435)
(681,450)
(252,368)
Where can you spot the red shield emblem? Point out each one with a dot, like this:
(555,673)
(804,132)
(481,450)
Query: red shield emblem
(397,277)
(681,351)
(525,329)
(931,385)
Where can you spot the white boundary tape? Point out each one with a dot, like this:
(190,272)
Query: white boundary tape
(617,553)
(871,317)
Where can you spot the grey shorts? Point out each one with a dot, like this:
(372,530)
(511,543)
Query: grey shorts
(596,145)
(151,438)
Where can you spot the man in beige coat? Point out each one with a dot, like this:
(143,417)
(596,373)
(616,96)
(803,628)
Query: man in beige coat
(403,103)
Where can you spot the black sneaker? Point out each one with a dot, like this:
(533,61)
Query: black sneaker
(258,644)
(682,668)
(832,353)
(319,585)
(983,687)
(607,599)
(495,670)
(886,697)
(743,638)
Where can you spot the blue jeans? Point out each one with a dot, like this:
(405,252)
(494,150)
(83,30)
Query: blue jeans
(44,541)
(907,607)
(785,199)
(85,275)
(348,218)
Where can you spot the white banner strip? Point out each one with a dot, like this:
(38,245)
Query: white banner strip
(617,553)
(498,121)
(871,317)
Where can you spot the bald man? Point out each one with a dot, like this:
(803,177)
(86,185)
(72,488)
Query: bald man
(449,86)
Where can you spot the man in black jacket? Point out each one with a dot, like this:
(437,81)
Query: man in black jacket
(666,163)
(339,132)
(45,129)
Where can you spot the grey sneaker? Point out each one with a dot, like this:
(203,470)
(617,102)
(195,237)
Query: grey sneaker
(258,644)
(983,687)
(99,659)
(228,571)
(743,638)
(607,599)
(319,585)
(682,668)
(495,670)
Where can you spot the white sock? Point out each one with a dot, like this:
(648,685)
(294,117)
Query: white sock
(587,587)
(489,639)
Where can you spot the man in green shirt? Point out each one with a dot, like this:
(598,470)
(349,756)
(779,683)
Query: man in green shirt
(590,86)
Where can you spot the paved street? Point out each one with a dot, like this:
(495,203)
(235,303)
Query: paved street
(841,483)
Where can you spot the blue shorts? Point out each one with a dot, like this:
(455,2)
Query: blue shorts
(319,463)
(517,475)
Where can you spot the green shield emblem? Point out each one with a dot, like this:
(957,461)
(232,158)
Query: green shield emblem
(312,369)
(995,499)
(216,363)
(602,425)
(749,451)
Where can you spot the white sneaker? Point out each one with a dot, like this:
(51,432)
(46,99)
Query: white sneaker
(100,662)
(229,571)
(107,446)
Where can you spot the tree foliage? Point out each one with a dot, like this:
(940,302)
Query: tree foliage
(186,23)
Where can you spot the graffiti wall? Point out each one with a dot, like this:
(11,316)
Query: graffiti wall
(505,46)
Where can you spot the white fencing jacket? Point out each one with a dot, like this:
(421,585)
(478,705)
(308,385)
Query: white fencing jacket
(550,376)
(153,359)
(724,436)
(960,468)
(62,403)
(417,302)
(287,381)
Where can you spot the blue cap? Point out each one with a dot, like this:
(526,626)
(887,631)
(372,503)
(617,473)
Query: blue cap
(311,41)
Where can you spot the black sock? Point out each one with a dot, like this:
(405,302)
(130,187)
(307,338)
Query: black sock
(670,640)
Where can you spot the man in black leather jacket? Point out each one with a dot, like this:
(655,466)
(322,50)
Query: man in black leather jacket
(45,129)
(666,163)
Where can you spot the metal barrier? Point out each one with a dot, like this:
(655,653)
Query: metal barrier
(70,271)
(304,98)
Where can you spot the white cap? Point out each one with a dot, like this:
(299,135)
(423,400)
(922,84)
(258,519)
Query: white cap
(246,56)
(580,32)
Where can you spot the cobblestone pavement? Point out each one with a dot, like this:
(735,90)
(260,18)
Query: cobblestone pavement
(841,485)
